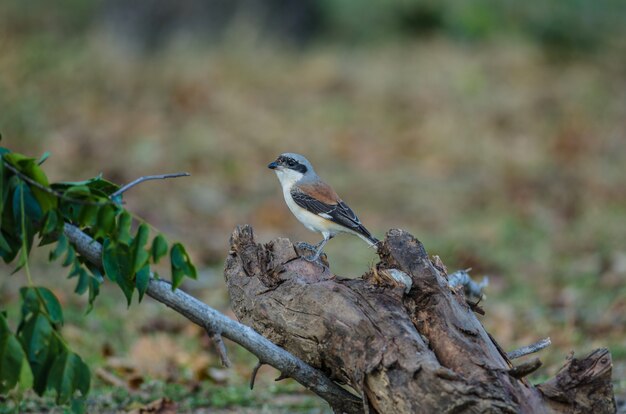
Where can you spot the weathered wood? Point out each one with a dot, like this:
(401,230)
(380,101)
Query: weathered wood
(421,350)
(214,322)
(583,385)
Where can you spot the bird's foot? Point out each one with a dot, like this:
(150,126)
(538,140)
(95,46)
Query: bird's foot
(313,258)
(306,246)
(310,253)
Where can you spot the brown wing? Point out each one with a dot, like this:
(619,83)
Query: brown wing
(337,212)
(322,192)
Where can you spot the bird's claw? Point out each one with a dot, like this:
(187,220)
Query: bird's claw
(307,246)
(311,259)
(314,257)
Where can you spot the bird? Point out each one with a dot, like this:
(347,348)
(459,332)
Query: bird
(314,203)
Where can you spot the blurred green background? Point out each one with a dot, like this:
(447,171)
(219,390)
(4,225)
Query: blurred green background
(494,131)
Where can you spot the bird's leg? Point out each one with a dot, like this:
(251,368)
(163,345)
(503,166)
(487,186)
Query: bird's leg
(320,247)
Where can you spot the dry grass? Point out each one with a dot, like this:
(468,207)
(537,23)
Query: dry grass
(493,157)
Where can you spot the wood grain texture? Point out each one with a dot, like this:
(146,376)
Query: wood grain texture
(417,352)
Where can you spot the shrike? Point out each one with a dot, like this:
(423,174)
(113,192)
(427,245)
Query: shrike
(314,203)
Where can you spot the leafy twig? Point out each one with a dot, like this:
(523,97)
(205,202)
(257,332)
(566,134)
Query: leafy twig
(49,190)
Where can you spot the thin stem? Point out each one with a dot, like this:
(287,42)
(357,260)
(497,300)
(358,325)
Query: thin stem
(254,372)
(147,178)
(24,251)
(51,191)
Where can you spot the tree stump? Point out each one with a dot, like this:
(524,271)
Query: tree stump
(403,349)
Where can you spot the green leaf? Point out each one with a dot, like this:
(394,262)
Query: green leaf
(88,215)
(159,248)
(47,201)
(82,285)
(67,375)
(52,305)
(77,191)
(33,297)
(96,184)
(181,265)
(142,279)
(116,259)
(4,244)
(62,245)
(12,358)
(83,281)
(30,302)
(31,206)
(14,247)
(52,222)
(177,277)
(123,227)
(17,160)
(26,375)
(3,187)
(29,167)
(94,290)
(140,255)
(70,257)
(43,158)
(105,221)
(95,272)
(26,210)
(78,406)
(11,361)
(41,347)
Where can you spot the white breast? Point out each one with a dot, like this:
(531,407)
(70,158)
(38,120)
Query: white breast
(310,220)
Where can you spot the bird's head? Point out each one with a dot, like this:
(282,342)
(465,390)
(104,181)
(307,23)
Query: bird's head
(290,167)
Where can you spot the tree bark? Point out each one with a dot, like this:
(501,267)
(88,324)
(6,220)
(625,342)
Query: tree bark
(404,347)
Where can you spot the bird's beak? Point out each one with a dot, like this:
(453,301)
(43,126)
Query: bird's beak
(272,165)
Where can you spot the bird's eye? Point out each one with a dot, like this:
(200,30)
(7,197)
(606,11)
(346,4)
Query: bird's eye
(291,163)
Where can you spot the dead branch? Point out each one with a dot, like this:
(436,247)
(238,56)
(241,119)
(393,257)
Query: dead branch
(147,178)
(529,349)
(208,318)
(526,368)
(255,371)
(220,348)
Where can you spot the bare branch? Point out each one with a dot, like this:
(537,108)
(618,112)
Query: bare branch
(526,368)
(529,349)
(147,178)
(254,372)
(208,318)
(281,377)
(216,337)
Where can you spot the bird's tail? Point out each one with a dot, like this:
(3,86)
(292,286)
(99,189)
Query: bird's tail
(367,237)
